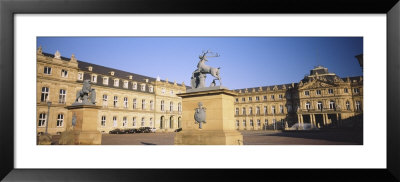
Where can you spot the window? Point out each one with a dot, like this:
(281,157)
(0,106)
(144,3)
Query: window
(151,122)
(180,107)
(150,88)
(257,98)
(251,122)
(331,105)
(171,106)
(142,123)
(330,91)
(265,110)
(80,76)
(116,82)
(243,111)
(273,109)
(42,119)
(250,110)
(358,106)
(171,122)
(47,70)
(143,104)
(124,123)
(143,87)
(281,109)
(236,99)
(244,123)
(280,96)
(237,111)
(237,123)
(308,106)
(250,99)
(61,98)
(45,94)
(125,84)
(94,78)
(265,97)
(346,90)
(162,106)
(125,102)
(64,73)
(134,104)
(356,90)
(134,121)
(318,92)
(307,93)
(258,122)
(152,105)
(105,80)
(115,101)
(258,110)
(105,99)
(163,90)
(115,124)
(319,105)
(273,97)
(60,120)
(103,120)
(243,99)
(172,92)
(134,85)
(266,122)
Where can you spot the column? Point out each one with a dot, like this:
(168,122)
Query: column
(323,117)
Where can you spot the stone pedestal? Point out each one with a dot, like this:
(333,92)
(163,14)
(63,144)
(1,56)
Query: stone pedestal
(85,131)
(219,128)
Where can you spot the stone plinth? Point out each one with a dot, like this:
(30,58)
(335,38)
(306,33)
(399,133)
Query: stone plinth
(219,128)
(85,131)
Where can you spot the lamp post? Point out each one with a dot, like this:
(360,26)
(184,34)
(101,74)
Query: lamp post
(48,113)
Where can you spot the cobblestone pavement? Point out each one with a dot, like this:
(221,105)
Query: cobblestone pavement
(330,137)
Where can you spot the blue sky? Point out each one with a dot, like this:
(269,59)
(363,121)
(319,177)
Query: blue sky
(244,61)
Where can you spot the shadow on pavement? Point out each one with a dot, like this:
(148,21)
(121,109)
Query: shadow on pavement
(145,143)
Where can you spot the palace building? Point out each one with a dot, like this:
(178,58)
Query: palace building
(129,100)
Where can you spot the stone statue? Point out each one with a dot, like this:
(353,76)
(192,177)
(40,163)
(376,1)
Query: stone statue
(200,115)
(87,94)
(199,75)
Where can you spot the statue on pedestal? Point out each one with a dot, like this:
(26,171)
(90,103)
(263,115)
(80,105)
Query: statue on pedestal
(87,94)
(199,75)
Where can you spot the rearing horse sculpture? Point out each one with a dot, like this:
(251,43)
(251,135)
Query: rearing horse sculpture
(202,68)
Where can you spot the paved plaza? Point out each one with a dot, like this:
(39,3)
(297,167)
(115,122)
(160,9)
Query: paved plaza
(328,137)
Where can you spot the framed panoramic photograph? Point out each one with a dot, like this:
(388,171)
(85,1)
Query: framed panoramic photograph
(143,90)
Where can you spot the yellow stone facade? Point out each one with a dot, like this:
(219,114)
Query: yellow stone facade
(321,99)
(59,79)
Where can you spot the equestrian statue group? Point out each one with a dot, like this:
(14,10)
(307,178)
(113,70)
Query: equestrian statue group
(199,75)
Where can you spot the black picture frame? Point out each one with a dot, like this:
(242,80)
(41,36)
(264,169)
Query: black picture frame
(9,8)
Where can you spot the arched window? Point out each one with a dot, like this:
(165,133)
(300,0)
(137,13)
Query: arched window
(60,120)
(42,119)
(171,122)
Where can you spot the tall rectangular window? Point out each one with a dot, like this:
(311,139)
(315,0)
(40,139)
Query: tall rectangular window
(258,122)
(244,123)
(265,110)
(273,109)
(124,123)
(105,99)
(162,106)
(125,102)
(258,110)
(318,92)
(330,91)
(272,97)
(61,98)
(171,106)
(358,106)
(115,124)
(47,70)
(143,104)
(250,110)
(243,111)
(115,101)
(281,109)
(307,93)
(105,80)
(45,94)
(251,122)
(134,104)
(265,97)
(94,78)
(142,122)
(42,120)
(116,82)
(134,121)
(250,99)
(60,120)
(152,105)
(237,111)
(356,90)
(125,84)
(257,98)
(280,96)
(64,73)
(103,120)
(346,90)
